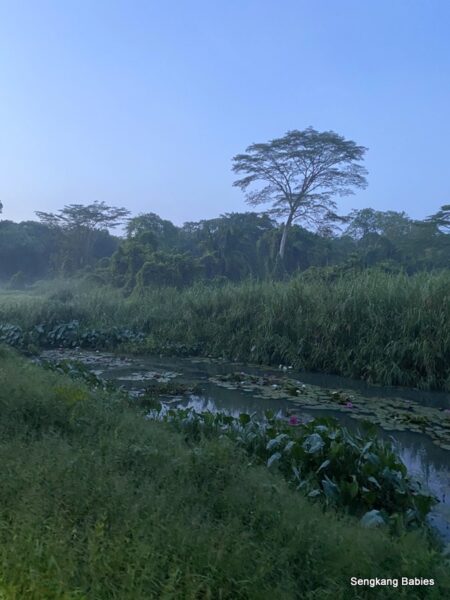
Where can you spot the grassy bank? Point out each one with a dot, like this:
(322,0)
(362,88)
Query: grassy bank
(96,502)
(385,328)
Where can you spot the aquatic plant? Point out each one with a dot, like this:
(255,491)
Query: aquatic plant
(67,335)
(392,414)
(357,472)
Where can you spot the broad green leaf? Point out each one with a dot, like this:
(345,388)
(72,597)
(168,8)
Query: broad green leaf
(273,459)
(330,489)
(324,465)
(373,518)
(313,443)
(244,418)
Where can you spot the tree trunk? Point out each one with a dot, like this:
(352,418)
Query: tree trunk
(284,237)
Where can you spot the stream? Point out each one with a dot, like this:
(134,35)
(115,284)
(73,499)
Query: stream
(425,460)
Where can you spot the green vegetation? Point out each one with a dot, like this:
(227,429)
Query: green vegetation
(300,174)
(97,502)
(393,414)
(384,328)
(360,474)
(66,335)
(232,247)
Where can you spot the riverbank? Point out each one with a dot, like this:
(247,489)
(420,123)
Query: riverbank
(204,385)
(97,502)
(390,329)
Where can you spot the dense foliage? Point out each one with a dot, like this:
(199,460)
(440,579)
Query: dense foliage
(33,251)
(300,175)
(232,247)
(97,502)
(361,474)
(67,335)
(385,328)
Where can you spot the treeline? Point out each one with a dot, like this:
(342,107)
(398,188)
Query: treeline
(238,246)
(32,250)
(233,247)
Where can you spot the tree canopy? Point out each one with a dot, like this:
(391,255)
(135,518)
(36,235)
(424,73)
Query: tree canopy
(231,247)
(300,174)
(82,226)
(367,220)
(97,215)
(441,219)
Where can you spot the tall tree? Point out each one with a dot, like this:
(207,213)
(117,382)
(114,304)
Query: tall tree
(81,225)
(90,216)
(299,174)
(441,219)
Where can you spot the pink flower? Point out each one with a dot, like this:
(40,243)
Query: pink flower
(293,420)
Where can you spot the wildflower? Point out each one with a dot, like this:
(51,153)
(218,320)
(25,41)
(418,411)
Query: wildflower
(293,420)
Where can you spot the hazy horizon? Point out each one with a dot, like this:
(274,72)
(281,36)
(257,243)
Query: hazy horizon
(143,105)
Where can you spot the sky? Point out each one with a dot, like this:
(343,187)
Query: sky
(143,104)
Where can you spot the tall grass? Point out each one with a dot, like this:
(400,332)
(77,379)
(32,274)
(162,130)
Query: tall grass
(385,328)
(98,503)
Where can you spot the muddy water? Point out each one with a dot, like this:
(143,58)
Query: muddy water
(426,461)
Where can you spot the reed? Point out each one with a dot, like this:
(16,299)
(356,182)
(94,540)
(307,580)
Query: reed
(391,329)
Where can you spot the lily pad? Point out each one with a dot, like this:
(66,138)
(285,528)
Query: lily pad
(393,414)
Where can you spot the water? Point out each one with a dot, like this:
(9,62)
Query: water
(426,461)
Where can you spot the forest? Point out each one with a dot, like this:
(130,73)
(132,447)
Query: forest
(233,247)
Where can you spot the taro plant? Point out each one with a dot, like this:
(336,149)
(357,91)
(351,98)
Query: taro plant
(11,334)
(67,335)
(77,370)
(355,472)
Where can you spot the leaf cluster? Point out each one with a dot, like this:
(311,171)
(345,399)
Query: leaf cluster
(300,173)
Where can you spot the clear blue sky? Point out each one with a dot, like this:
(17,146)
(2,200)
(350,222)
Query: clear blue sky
(142,104)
